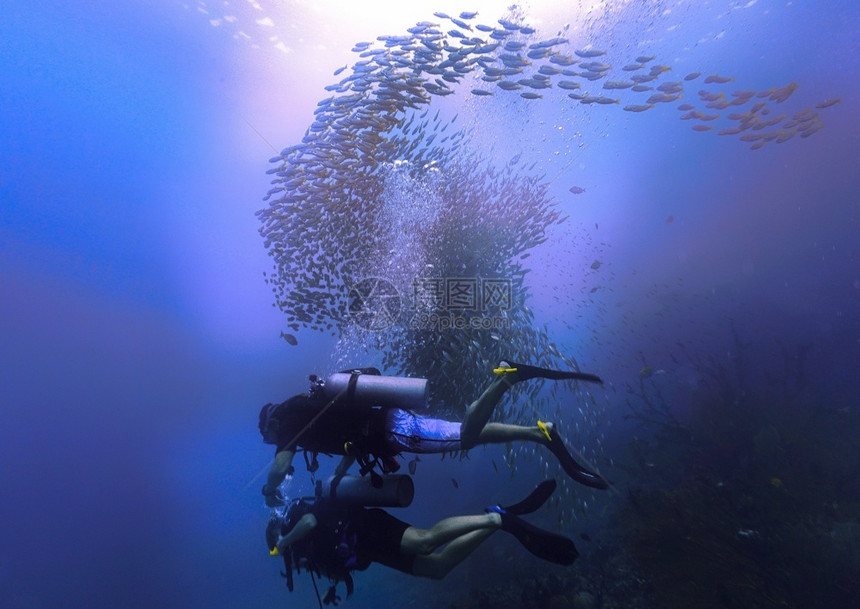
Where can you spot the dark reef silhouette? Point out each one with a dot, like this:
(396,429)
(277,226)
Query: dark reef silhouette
(752,500)
(748,496)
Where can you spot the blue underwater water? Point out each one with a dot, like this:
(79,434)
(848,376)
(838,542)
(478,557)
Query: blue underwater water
(714,287)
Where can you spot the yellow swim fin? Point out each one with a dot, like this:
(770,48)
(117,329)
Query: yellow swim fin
(542,426)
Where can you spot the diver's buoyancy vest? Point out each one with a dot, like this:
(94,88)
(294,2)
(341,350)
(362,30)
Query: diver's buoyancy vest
(331,549)
(303,422)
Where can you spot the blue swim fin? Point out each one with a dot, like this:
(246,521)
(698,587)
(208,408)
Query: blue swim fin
(543,544)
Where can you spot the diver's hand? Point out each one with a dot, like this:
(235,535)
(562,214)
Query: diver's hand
(274,498)
(282,545)
(332,597)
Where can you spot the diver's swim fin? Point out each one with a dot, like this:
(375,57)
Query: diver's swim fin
(568,463)
(543,544)
(534,501)
(524,372)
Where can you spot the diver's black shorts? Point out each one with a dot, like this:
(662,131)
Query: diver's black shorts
(379,535)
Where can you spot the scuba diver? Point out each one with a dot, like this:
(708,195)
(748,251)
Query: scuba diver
(367,417)
(331,538)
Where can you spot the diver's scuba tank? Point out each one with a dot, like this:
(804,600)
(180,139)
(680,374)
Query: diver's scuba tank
(396,490)
(371,387)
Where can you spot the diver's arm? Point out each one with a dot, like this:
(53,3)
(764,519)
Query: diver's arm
(302,529)
(342,467)
(281,467)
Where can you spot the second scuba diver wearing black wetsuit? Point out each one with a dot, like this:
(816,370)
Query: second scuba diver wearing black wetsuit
(351,538)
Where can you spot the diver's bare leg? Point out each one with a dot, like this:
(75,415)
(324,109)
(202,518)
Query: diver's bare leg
(480,411)
(438,565)
(425,541)
(498,433)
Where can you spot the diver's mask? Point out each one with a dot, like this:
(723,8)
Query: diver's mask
(316,391)
(269,424)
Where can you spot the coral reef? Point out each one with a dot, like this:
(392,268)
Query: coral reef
(606,578)
(753,499)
